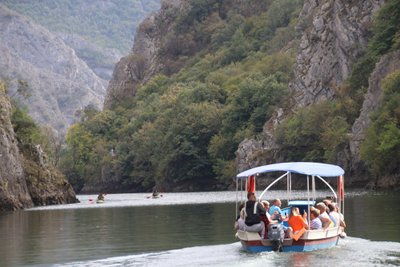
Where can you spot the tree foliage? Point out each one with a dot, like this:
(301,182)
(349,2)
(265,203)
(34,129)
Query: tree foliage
(316,133)
(381,148)
(385,38)
(181,132)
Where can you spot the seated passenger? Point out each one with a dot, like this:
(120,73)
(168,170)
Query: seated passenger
(297,221)
(323,216)
(267,215)
(327,202)
(100,197)
(253,212)
(276,214)
(315,222)
(275,210)
(267,219)
(335,213)
(335,217)
(239,223)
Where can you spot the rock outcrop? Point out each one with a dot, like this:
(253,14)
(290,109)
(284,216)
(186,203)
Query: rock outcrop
(146,58)
(100,60)
(388,64)
(26,179)
(332,35)
(58,81)
(13,189)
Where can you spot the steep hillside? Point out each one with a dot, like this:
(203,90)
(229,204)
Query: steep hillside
(100,32)
(105,23)
(59,83)
(64,52)
(215,87)
(26,178)
(202,75)
(333,36)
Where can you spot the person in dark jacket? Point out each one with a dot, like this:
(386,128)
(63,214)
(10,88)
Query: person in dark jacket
(253,212)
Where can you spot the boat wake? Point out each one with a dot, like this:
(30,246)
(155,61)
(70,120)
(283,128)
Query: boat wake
(354,251)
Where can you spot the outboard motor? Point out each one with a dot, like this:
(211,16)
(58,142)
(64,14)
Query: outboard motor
(276,234)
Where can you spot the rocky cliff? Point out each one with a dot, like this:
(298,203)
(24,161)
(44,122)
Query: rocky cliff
(13,189)
(145,59)
(26,179)
(59,82)
(332,34)
(372,101)
(331,37)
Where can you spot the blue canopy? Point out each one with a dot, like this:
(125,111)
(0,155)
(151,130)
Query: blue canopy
(306,168)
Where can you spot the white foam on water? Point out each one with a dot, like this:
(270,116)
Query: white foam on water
(350,251)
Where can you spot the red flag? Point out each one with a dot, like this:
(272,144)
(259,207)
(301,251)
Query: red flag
(251,184)
(341,187)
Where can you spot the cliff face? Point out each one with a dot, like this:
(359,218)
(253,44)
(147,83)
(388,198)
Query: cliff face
(332,35)
(372,101)
(26,179)
(13,189)
(145,59)
(58,81)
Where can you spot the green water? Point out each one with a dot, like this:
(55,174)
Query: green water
(46,237)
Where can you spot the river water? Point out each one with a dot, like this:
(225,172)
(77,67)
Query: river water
(183,229)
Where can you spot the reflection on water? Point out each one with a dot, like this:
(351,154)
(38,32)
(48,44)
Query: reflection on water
(134,235)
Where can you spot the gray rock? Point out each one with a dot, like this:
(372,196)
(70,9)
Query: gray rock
(329,46)
(372,100)
(144,61)
(332,36)
(59,82)
(13,189)
(26,178)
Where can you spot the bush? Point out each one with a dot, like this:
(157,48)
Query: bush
(315,133)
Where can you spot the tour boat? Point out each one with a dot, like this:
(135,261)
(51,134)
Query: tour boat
(307,171)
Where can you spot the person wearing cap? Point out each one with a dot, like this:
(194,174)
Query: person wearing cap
(253,212)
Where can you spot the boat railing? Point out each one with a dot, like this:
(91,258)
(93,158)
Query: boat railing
(308,235)
(320,233)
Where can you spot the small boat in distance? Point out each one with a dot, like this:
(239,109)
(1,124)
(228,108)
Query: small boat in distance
(307,240)
(100,198)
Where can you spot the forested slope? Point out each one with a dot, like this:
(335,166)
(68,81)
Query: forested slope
(212,87)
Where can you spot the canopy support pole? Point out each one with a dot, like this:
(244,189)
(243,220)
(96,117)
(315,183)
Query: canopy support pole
(313,188)
(266,189)
(237,198)
(308,198)
(330,187)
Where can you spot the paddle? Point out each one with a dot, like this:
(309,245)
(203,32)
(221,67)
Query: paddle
(153,197)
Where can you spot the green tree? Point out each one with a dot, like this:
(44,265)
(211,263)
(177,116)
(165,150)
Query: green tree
(381,148)
(315,133)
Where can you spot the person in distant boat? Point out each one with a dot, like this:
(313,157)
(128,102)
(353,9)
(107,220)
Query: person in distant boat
(239,223)
(155,192)
(323,216)
(101,196)
(315,221)
(253,212)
